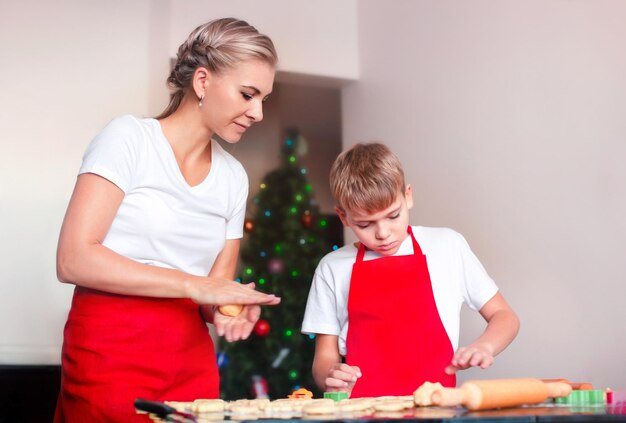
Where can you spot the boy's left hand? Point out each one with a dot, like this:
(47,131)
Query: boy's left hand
(471,356)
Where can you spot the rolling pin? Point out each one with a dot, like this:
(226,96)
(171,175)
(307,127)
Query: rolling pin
(576,386)
(500,393)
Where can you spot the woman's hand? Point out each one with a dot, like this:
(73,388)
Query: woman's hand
(342,377)
(235,328)
(238,327)
(222,291)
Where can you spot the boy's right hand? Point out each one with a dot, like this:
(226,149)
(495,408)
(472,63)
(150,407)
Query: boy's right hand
(342,377)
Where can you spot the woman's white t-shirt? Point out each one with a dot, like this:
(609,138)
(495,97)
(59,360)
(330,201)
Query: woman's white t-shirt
(162,220)
(456,276)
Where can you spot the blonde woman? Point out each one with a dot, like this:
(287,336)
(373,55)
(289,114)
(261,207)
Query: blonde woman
(152,231)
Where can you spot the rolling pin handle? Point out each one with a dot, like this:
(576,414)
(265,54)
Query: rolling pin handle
(447,397)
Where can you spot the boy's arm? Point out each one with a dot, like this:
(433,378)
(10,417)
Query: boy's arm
(502,327)
(329,373)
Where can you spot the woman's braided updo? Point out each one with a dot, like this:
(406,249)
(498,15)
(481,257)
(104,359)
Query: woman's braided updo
(217,45)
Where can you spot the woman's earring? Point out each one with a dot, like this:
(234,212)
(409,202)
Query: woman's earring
(200,102)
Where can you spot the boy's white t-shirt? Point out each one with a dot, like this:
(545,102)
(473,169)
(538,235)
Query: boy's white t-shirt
(456,276)
(162,221)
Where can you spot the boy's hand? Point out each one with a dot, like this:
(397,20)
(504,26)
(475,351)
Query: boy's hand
(472,356)
(342,377)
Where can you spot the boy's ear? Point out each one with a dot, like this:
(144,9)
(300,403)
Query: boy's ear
(342,215)
(408,196)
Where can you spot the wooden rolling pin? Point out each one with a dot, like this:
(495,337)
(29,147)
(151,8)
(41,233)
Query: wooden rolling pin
(576,386)
(500,393)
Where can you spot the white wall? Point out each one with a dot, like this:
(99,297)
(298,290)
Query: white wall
(67,68)
(312,38)
(509,117)
(316,113)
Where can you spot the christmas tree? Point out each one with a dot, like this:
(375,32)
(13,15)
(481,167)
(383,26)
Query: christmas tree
(284,241)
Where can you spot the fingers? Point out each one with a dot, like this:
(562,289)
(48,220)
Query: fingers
(238,327)
(252,313)
(352,370)
(252,296)
(469,357)
(333,384)
(342,376)
(234,331)
(220,291)
(450,370)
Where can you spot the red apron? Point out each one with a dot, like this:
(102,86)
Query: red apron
(118,348)
(395,334)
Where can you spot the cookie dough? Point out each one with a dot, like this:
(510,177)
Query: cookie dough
(208,406)
(422,395)
(231,310)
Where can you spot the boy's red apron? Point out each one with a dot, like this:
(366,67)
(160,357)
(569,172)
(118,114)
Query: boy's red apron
(395,335)
(118,348)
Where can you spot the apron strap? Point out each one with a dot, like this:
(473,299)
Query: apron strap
(416,247)
(361,253)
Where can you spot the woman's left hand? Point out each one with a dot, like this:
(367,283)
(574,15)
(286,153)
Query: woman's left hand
(237,327)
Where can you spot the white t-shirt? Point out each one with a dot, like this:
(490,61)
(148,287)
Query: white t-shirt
(162,220)
(456,276)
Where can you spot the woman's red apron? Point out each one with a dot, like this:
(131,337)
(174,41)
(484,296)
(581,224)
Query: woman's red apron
(395,335)
(119,348)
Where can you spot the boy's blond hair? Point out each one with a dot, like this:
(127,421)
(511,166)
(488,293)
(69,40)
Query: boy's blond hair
(366,178)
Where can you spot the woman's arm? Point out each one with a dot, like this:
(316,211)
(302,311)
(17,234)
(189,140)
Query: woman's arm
(329,373)
(84,261)
(224,266)
(502,327)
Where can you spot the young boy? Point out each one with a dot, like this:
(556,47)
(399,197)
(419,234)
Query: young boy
(390,304)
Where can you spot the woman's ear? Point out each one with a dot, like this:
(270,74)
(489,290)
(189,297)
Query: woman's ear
(201,78)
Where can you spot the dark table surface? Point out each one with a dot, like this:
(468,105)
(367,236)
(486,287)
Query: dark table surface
(540,413)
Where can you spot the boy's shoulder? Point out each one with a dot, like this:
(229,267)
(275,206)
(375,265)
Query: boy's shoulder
(340,257)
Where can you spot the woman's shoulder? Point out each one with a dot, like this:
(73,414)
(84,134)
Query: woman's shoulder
(129,127)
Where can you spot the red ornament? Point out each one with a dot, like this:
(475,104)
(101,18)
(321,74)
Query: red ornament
(248,226)
(262,328)
(307,219)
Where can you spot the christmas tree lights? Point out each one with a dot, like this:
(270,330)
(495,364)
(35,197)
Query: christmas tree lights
(284,240)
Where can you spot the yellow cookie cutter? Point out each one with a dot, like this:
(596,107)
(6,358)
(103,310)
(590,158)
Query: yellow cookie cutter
(301,393)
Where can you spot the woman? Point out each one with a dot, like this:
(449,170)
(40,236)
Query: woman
(152,231)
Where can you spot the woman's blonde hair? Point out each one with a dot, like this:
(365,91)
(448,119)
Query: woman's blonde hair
(217,45)
(367,177)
